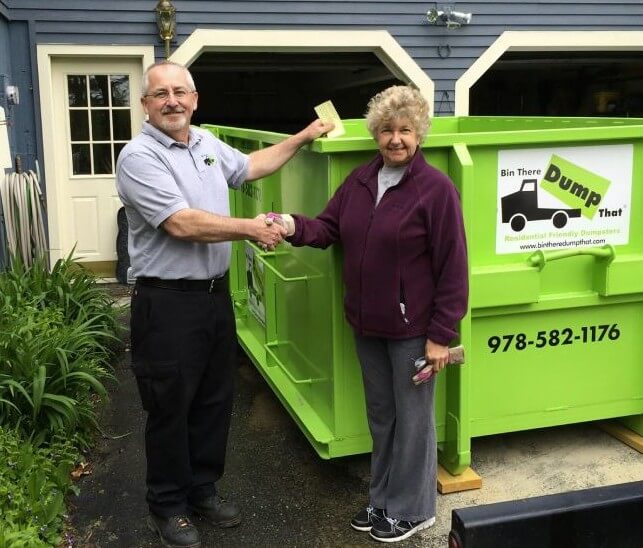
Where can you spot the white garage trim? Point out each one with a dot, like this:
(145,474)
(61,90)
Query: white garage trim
(380,42)
(542,41)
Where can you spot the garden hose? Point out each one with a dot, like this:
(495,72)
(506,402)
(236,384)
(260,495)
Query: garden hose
(21,201)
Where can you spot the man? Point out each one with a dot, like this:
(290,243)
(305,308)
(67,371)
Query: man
(173,180)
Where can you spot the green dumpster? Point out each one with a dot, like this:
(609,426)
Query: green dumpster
(553,209)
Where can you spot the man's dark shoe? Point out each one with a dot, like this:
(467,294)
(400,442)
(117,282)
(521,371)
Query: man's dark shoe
(394,530)
(175,531)
(364,519)
(219,512)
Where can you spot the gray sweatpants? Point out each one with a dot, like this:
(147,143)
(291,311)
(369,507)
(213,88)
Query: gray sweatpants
(402,425)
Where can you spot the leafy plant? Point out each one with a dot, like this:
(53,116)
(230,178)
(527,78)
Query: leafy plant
(56,328)
(33,483)
(48,369)
(69,287)
(54,355)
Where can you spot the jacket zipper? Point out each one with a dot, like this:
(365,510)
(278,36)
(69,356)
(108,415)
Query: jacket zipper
(361,267)
(403,302)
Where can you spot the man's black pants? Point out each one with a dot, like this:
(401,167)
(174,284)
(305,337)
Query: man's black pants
(183,346)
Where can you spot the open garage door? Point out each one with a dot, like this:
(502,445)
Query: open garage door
(563,83)
(555,73)
(272,79)
(276,91)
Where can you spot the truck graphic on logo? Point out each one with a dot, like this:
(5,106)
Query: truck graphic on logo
(522,206)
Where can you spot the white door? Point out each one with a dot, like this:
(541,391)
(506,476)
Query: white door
(96,111)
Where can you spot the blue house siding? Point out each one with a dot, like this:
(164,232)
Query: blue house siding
(5,58)
(16,70)
(443,54)
(23,116)
(5,70)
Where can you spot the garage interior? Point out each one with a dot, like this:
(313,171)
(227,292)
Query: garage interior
(277,91)
(561,83)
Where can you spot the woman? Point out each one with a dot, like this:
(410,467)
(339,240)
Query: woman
(400,224)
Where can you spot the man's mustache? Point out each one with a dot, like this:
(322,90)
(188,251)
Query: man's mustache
(173,110)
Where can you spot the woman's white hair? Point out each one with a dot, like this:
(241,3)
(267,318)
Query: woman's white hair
(145,87)
(398,102)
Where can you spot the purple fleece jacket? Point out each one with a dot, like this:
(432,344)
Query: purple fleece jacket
(409,249)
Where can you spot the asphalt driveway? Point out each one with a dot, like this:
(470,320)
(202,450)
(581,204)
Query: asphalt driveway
(292,498)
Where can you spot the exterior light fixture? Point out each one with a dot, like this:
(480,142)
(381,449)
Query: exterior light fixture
(166,22)
(12,94)
(448,17)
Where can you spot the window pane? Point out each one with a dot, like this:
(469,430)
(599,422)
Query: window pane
(122,126)
(120,91)
(80,159)
(77,90)
(102,158)
(100,125)
(79,125)
(98,90)
(117,149)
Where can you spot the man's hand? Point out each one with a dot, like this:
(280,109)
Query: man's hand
(316,129)
(436,354)
(283,219)
(266,233)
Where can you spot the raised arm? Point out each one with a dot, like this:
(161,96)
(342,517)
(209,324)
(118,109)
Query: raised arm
(268,160)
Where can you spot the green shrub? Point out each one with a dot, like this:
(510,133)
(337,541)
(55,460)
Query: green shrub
(69,287)
(48,370)
(55,330)
(33,484)
(54,333)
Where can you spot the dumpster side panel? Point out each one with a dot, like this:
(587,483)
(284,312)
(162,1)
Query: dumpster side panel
(542,368)
(556,323)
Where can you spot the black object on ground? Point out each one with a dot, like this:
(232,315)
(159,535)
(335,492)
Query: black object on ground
(600,517)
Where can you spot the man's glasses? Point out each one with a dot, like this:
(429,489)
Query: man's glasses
(164,94)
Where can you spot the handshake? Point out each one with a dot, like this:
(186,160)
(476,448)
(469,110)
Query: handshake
(272,228)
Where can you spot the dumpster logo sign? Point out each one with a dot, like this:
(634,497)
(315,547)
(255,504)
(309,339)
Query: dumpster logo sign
(563,198)
(575,186)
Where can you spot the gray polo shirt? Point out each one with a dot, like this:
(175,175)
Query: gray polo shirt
(156,177)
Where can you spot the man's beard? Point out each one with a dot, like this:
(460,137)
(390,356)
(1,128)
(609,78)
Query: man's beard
(174,125)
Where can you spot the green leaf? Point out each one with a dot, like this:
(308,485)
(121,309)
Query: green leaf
(38,389)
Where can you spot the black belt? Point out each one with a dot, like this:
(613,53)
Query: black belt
(213,285)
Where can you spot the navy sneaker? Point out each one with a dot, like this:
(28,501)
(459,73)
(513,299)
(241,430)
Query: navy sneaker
(394,530)
(365,518)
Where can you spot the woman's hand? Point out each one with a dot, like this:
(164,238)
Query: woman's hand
(269,233)
(282,219)
(436,354)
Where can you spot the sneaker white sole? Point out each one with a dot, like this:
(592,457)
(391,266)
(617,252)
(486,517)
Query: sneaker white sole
(419,527)
(365,528)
